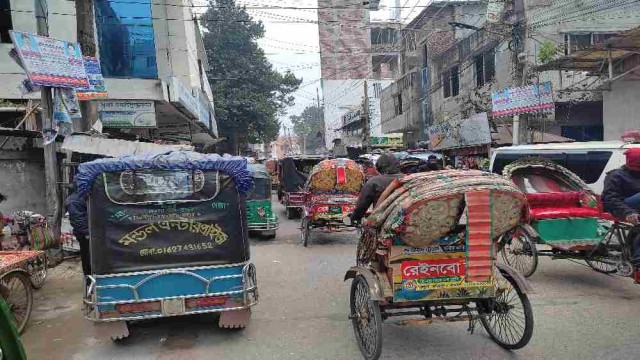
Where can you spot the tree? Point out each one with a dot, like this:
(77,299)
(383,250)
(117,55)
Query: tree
(248,93)
(309,128)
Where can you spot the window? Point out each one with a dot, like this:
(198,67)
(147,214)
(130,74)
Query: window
(6,23)
(425,56)
(126,38)
(377,89)
(451,82)
(485,67)
(397,104)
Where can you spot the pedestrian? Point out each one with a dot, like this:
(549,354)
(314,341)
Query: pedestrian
(77,208)
(621,197)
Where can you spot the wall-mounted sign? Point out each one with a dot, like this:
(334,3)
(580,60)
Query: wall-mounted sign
(50,62)
(97,88)
(192,101)
(127,114)
(460,133)
(387,141)
(522,100)
(351,116)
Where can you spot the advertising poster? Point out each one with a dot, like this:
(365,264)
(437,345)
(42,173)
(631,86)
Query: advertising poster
(127,114)
(97,88)
(522,100)
(50,62)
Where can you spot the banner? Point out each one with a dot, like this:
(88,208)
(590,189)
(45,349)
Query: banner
(50,62)
(460,133)
(127,114)
(388,140)
(522,100)
(97,88)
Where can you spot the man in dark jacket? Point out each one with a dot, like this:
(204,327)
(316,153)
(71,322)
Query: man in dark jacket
(621,197)
(389,168)
(77,208)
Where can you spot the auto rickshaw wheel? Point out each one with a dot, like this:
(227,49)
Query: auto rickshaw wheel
(519,251)
(510,323)
(305,231)
(15,288)
(269,234)
(366,319)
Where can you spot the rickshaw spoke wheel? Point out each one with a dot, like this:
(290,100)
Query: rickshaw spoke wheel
(38,272)
(510,324)
(305,231)
(366,319)
(18,295)
(602,259)
(520,253)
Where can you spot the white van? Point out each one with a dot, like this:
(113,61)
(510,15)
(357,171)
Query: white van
(589,160)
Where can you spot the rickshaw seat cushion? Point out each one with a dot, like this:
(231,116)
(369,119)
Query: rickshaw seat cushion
(554,199)
(563,212)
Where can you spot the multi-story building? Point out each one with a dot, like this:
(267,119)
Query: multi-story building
(354,50)
(151,53)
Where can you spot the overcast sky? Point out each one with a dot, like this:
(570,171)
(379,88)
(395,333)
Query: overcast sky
(290,43)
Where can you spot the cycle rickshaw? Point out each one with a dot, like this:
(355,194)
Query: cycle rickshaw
(566,219)
(428,252)
(330,193)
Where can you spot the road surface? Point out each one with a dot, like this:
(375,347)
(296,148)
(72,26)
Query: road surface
(579,314)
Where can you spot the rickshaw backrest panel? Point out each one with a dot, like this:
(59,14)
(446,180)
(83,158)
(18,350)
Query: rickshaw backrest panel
(129,237)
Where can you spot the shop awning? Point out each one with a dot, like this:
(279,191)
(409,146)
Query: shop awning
(596,58)
(114,147)
(504,136)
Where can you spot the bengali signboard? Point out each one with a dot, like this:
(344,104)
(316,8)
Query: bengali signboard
(97,88)
(387,141)
(50,62)
(194,103)
(127,114)
(522,100)
(460,133)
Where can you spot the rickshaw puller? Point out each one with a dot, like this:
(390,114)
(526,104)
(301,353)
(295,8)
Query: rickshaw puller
(389,168)
(77,208)
(621,197)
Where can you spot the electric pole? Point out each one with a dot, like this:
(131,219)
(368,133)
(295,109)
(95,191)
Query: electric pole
(53,199)
(366,138)
(87,41)
(321,114)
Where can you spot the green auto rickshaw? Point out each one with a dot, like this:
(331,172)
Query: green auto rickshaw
(260,216)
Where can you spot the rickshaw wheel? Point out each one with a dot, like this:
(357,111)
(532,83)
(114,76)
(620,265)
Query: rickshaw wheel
(305,231)
(292,213)
(366,319)
(602,260)
(520,252)
(16,289)
(510,324)
(38,272)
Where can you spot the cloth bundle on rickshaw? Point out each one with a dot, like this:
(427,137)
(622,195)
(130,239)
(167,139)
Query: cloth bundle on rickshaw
(340,175)
(421,208)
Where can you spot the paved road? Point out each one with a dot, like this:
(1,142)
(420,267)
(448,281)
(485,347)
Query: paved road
(579,314)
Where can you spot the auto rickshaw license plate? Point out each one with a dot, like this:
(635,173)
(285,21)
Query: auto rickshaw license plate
(172,307)
(335,210)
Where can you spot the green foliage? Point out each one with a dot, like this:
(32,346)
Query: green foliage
(307,127)
(547,51)
(248,93)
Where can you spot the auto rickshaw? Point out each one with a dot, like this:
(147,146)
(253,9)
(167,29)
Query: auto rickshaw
(259,211)
(168,237)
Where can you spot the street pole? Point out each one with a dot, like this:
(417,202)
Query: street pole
(366,139)
(87,41)
(518,37)
(321,114)
(52,196)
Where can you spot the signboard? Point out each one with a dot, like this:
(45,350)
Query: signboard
(351,116)
(127,114)
(527,99)
(50,62)
(460,133)
(387,141)
(193,103)
(495,8)
(97,88)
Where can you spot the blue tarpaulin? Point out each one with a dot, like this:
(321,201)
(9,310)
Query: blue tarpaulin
(234,166)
